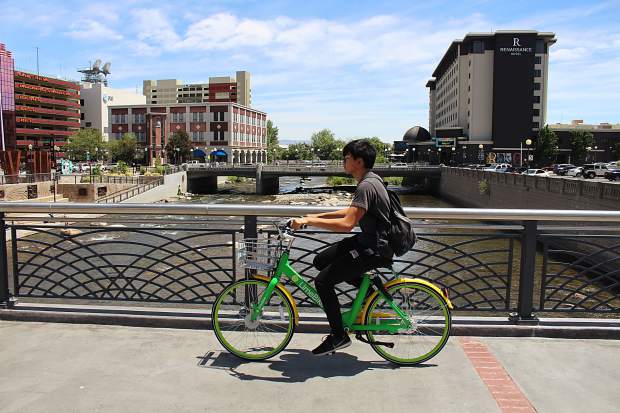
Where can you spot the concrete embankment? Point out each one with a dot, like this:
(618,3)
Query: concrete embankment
(173,184)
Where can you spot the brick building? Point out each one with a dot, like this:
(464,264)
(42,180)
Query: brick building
(226,132)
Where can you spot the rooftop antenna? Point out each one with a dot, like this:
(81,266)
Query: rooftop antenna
(96,74)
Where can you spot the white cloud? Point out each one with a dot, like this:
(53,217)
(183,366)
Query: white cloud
(87,29)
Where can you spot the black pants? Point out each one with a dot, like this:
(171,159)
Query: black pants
(337,264)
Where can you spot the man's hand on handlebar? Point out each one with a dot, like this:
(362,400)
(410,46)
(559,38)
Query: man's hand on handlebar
(298,223)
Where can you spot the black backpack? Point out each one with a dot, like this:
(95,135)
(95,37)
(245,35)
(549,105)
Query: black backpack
(401,236)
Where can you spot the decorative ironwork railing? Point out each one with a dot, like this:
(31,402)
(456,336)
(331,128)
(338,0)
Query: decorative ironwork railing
(185,254)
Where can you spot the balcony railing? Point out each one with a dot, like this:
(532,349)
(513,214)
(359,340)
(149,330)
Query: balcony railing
(492,261)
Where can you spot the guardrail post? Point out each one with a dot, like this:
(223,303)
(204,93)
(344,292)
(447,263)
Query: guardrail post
(4,267)
(250,229)
(525,305)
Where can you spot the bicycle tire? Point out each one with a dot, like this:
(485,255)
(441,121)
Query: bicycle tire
(228,323)
(379,307)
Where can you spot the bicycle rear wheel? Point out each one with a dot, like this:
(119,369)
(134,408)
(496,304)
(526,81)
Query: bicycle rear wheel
(430,318)
(238,333)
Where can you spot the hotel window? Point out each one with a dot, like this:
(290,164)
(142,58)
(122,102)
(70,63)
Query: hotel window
(537,60)
(536,99)
(536,86)
(139,118)
(218,116)
(81,102)
(141,136)
(537,73)
(198,117)
(178,117)
(82,115)
(540,46)
(478,47)
(536,112)
(535,125)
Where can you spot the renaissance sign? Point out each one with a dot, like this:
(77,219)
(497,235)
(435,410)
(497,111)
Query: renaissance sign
(516,49)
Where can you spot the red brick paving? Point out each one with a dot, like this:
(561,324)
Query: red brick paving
(504,390)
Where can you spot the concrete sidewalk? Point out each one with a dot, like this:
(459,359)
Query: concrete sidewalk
(91,368)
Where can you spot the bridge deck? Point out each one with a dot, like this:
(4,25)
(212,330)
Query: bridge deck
(84,368)
(302,170)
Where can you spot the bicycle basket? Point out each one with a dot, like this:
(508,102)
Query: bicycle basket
(259,254)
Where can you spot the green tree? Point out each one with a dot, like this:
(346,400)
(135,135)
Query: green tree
(324,144)
(580,141)
(182,141)
(273,146)
(85,141)
(545,147)
(123,149)
(298,151)
(383,149)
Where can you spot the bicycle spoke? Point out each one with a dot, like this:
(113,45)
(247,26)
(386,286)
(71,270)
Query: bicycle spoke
(430,324)
(253,339)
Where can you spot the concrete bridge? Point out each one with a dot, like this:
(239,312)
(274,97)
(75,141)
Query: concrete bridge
(204,180)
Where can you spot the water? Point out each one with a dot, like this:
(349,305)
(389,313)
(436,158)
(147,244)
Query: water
(310,191)
(473,262)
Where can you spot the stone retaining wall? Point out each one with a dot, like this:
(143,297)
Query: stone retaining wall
(26,191)
(89,192)
(462,187)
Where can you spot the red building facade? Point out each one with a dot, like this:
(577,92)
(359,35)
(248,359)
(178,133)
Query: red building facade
(47,111)
(7,100)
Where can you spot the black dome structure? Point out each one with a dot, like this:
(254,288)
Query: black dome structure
(417,134)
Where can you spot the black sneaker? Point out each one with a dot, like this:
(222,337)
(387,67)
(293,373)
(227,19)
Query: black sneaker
(332,343)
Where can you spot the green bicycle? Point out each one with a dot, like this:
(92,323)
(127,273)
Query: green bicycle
(406,321)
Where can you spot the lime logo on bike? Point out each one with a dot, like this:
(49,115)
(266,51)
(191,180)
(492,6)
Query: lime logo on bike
(295,278)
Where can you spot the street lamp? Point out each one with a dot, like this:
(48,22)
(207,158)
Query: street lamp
(413,155)
(452,156)
(481,152)
(528,142)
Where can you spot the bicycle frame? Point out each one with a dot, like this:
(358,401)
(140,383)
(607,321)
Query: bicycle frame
(348,317)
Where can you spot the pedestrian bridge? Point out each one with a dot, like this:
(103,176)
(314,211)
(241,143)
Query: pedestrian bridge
(518,274)
(204,180)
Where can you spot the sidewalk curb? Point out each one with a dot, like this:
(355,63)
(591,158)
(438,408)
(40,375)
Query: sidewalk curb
(309,323)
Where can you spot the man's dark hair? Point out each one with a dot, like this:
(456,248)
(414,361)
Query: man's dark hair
(361,148)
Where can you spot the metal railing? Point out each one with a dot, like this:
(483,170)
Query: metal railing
(107,179)
(25,178)
(124,194)
(497,261)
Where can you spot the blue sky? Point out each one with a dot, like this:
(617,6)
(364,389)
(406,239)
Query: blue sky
(356,67)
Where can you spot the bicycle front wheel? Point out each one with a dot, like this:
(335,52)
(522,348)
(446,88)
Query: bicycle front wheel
(430,323)
(250,339)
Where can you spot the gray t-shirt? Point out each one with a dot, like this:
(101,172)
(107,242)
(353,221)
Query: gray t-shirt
(372,196)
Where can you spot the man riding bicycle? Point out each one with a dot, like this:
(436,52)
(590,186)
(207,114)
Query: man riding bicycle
(349,259)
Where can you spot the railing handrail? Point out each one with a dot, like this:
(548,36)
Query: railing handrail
(288,211)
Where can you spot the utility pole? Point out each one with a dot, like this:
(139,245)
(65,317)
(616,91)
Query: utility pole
(37,47)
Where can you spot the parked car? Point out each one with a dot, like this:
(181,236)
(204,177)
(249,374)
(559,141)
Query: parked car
(498,167)
(399,165)
(516,169)
(549,168)
(592,170)
(537,172)
(562,168)
(612,174)
(576,171)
